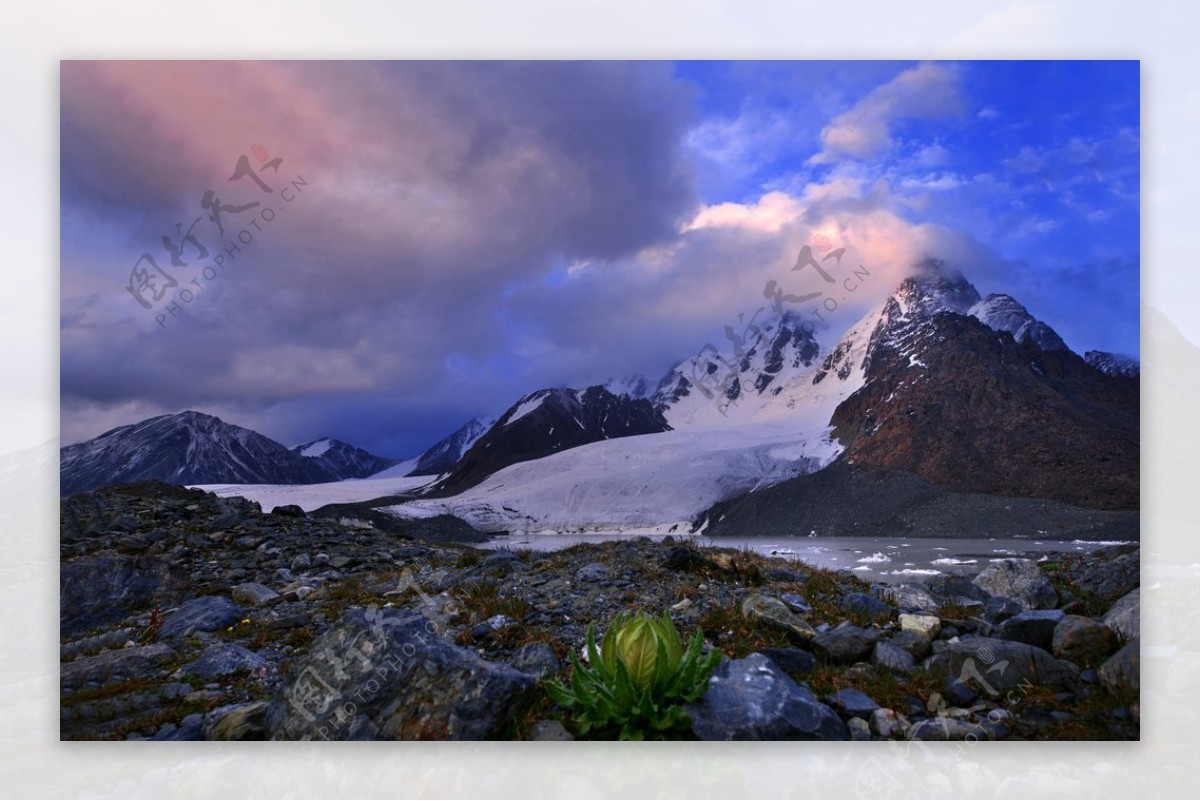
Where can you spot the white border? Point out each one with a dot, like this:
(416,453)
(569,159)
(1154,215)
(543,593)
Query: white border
(36,35)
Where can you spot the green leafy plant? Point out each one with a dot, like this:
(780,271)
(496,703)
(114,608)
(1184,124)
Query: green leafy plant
(637,685)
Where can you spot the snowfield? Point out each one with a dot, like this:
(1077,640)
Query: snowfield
(313,496)
(317,448)
(645,483)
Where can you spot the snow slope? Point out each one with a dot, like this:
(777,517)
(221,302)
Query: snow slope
(638,482)
(317,448)
(392,481)
(784,375)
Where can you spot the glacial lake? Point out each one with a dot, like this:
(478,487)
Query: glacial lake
(883,559)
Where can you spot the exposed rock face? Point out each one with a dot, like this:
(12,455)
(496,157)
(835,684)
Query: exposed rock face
(385,675)
(855,500)
(796,662)
(927,626)
(867,605)
(254,594)
(770,354)
(970,409)
(853,703)
(947,729)
(752,699)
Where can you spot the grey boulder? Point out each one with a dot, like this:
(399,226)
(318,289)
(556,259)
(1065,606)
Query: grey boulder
(207,613)
(994,667)
(384,674)
(1035,627)
(752,699)
(1019,579)
(224,659)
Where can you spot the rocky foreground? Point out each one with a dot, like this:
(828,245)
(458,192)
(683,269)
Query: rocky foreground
(187,616)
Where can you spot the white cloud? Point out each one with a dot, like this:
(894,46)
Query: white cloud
(740,143)
(932,156)
(769,214)
(945,180)
(645,312)
(923,92)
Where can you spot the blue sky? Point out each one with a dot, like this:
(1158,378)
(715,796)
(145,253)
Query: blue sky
(465,233)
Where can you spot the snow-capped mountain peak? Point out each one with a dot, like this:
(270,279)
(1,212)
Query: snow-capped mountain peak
(753,373)
(444,454)
(184,448)
(195,448)
(934,287)
(635,386)
(343,460)
(1003,313)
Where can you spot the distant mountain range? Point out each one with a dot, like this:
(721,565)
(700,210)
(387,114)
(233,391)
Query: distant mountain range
(935,388)
(195,448)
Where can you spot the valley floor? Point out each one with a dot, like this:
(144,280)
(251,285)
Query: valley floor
(187,616)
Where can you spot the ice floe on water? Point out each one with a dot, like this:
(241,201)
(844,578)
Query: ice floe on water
(875,557)
(915,571)
(950,560)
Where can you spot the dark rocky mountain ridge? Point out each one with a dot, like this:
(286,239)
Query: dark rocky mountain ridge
(195,448)
(549,421)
